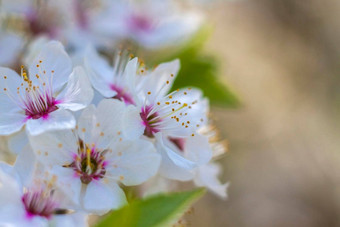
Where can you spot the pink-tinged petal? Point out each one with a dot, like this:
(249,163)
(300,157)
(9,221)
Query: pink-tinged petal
(57,120)
(78,92)
(99,72)
(100,197)
(53,60)
(133,162)
(11,122)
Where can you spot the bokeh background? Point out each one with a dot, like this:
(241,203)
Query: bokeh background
(281,57)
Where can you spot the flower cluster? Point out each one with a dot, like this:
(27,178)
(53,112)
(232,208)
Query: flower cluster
(85,130)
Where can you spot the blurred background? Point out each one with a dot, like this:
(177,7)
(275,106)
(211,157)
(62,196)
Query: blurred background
(281,57)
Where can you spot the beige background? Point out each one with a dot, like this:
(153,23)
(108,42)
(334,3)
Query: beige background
(282,58)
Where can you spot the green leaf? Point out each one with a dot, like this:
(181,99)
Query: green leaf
(201,71)
(157,211)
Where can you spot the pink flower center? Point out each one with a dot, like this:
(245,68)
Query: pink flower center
(35,98)
(140,23)
(122,95)
(89,163)
(40,107)
(80,13)
(43,21)
(39,203)
(150,120)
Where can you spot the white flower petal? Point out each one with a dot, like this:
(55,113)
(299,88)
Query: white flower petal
(99,71)
(55,148)
(57,120)
(34,48)
(132,123)
(110,114)
(25,164)
(53,58)
(70,220)
(78,92)
(207,176)
(9,81)
(177,159)
(134,162)
(156,80)
(170,170)
(11,122)
(196,114)
(10,194)
(18,141)
(130,75)
(197,149)
(111,121)
(68,183)
(87,129)
(100,198)
(173,165)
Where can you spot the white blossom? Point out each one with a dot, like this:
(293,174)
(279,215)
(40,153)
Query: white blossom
(94,158)
(28,196)
(41,98)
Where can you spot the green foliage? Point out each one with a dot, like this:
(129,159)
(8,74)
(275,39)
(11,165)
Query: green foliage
(202,71)
(157,211)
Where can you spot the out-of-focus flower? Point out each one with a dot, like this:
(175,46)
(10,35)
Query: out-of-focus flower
(91,160)
(11,46)
(40,98)
(152,24)
(48,18)
(28,196)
